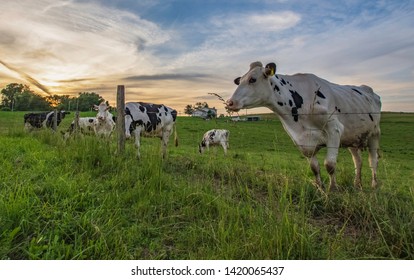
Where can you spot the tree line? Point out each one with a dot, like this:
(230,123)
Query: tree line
(19,97)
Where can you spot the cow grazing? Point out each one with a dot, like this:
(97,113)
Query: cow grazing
(85,125)
(215,137)
(150,120)
(104,123)
(316,113)
(44,119)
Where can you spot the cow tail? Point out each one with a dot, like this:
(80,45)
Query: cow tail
(175,135)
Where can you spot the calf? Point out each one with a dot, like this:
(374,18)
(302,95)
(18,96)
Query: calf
(215,137)
(85,125)
(316,113)
(44,119)
(104,123)
(150,120)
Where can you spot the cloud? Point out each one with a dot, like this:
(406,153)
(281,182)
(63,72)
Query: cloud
(76,46)
(72,40)
(27,77)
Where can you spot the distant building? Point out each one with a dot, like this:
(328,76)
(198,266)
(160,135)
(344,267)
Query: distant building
(205,113)
(253,118)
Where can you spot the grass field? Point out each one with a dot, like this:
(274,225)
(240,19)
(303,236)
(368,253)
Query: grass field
(78,199)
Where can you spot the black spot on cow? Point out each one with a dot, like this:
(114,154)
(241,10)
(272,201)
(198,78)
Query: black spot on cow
(290,103)
(283,82)
(276,88)
(174,114)
(90,120)
(337,109)
(370,116)
(152,111)
(280,103)
(277,77)
(320,94)
(354,89)
(295,114)
(297,98)
(212,134)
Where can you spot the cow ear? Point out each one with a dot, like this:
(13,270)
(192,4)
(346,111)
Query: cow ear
(237,81)
(95,107)
(270,69)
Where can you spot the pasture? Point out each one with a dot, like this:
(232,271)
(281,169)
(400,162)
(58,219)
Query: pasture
(78,199)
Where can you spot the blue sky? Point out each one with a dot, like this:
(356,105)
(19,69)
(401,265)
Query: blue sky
(175,52)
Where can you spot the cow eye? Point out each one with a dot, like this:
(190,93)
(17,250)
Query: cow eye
(252,80)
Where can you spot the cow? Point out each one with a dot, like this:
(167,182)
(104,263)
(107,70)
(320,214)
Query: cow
(43,119)
(316,113)
(215,137)
(104,123)
(86,125)
(149,119)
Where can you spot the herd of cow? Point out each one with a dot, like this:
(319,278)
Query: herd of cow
(141,118)
(314,112)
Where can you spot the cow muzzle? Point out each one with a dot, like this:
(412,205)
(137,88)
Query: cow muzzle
(231,106)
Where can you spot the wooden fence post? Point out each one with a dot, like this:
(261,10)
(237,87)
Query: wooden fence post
(55,117)
(76,125)
(120,119)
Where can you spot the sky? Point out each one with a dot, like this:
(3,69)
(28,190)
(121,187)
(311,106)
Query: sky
(176,52)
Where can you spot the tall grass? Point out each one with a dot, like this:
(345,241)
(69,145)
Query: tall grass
(79,199)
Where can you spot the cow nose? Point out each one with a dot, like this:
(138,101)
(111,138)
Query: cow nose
(229,103)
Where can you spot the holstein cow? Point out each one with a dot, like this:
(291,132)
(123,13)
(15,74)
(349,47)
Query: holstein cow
(150,120)
(44,119)
(316,113)
(215,137)
(86,125)
(104,123)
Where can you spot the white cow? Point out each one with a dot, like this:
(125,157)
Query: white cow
(215,137)
(149,119)
(316,113)
(104,123)
(86,125)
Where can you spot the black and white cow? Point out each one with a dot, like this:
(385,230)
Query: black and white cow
(104,122)
(44,119)
(316,113)
(86,125)
(215,137)
(150,120)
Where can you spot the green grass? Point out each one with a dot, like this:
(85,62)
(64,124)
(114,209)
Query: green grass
(78,199)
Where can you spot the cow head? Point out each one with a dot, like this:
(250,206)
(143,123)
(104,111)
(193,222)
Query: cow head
(102,111)
(253,89)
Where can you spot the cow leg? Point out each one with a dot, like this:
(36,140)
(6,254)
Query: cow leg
(137,135)
(224,145)
(314,164)
(356,156)
(164,141)
(373,147)
(334,129)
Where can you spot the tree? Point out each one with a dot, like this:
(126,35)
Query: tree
(63,102)
(9,94)
(86,100)
(188,110)
(200,105)
(20,97)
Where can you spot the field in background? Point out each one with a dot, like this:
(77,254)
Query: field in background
(77,199)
